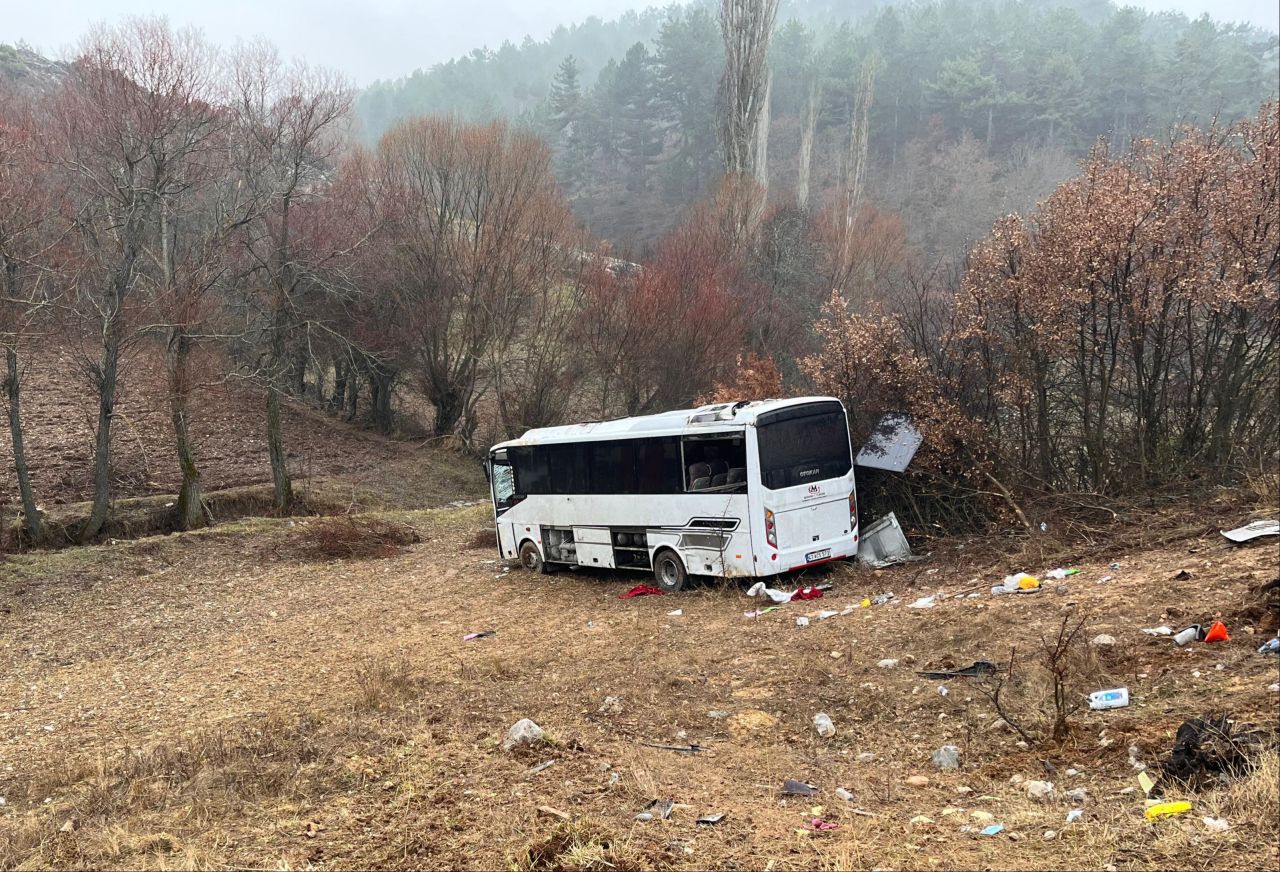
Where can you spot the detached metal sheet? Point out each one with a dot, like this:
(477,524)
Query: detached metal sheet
(1253,531)
(883,543)
(892,444)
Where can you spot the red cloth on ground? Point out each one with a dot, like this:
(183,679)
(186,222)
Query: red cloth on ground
(642,590)
(806,593)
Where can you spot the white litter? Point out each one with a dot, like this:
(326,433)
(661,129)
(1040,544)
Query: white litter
(1216,824)
(925,602)
(675,613)
(1074,815)
(760,589)
(802,622)
(1158,631)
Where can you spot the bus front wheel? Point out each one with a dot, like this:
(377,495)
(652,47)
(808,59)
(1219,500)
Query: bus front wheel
(530,559)
(669,572)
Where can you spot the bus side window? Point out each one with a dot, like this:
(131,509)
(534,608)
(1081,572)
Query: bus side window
(715,464)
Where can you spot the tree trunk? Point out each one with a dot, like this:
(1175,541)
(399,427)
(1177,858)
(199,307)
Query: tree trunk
(761,168)
(13,389)
(108,369)
(806,146)
(449,406)
(381,382)
(275,449)
(339,399)
(190,510)
(991,114)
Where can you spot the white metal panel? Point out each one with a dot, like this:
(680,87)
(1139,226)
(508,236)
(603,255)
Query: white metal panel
(590,554)
(598,535)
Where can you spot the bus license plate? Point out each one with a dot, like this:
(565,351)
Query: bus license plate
(817,555)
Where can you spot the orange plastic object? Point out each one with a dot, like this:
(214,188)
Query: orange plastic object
(1218,633)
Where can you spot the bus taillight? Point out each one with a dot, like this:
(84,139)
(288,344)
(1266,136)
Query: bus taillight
(853,511)
(770,531)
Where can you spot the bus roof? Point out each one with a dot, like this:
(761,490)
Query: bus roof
(713,417)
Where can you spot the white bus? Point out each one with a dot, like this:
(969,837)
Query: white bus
(729,490)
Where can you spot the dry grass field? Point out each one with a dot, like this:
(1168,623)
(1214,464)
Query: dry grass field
(272,694)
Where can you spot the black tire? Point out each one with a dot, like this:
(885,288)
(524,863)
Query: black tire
(530,559)
(669,572)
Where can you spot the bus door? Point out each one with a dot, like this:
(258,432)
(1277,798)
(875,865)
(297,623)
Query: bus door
(502,487)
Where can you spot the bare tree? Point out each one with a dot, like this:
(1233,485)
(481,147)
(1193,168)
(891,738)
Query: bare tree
(746,27)
(807,132)
(482,236)
(287,121)
(123,125)
(28,233)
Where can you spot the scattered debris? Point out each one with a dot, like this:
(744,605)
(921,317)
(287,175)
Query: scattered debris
(1074,815)
(642,590)
(888,663)
(710,820)
(1042,790)
(483,634)
(925,602)
(993,830)
(1167,809)
(978,669)
(791,787)
(1188,635)
(522,733)
(822,723)
(883,543)
(947,757)
(802,621)
(844,794)
(1216,824)
(1272,646)
(809,593)
(1252,531)
(1109,699)
(1077,794)
(1050,835)
(1060,573)
(755,613)
(661,807)
(1158,631)
(680,749)
(675,613)
(782,596)
(1146,782)
(1217,633)
(1212,748)
(818,825)
(540,767)
(921,820)
(1102,640)
(944,690)
(1183,575)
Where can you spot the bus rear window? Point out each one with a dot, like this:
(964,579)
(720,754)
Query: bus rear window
(803,444)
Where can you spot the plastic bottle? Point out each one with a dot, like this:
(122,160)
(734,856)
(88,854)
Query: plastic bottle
(1190,634)
(822,723)
(1108,699)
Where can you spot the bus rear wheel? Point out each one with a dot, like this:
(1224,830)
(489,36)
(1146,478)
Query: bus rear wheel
(530,559)
(669,571)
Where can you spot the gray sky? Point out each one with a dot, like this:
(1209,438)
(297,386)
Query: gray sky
(372,39)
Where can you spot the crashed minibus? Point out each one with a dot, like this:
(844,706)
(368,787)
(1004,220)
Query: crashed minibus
(729,489)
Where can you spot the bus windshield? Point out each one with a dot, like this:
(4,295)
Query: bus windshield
(803,444)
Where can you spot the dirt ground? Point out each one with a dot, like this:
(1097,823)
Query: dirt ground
(226,699)
(228,427)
